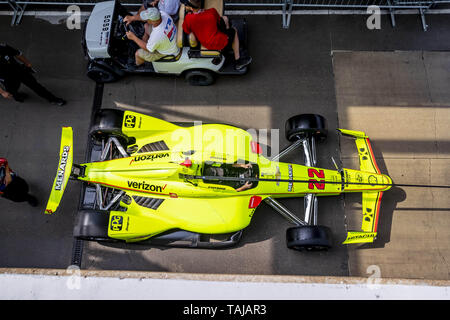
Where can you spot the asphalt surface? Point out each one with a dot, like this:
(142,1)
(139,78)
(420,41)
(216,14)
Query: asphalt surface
(292,73)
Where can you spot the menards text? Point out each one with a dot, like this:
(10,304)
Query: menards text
(62,168)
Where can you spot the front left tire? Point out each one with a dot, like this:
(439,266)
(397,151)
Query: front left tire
(100,74)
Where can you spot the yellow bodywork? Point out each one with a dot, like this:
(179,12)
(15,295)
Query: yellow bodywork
(372,193)
(64,168)
(165,189)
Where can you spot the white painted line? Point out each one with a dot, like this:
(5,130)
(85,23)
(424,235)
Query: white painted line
(51,287)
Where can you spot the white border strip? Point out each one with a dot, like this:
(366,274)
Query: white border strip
(46,284)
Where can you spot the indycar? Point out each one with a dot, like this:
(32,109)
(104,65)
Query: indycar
(111,54)
(198,185)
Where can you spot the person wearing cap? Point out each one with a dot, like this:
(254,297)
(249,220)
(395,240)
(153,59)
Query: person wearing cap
(212,31)
(158,43)
(168,6)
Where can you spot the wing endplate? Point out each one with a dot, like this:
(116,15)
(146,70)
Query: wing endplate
(371,202)
(367,161)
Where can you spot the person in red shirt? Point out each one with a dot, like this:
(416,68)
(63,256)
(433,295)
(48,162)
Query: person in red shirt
(212,31)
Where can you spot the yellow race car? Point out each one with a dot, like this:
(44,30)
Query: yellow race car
(198,185)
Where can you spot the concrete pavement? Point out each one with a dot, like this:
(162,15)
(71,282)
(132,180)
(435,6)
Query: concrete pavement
(401,100)
(292,73)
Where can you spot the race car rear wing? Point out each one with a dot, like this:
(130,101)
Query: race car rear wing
(64,170)
(371,199)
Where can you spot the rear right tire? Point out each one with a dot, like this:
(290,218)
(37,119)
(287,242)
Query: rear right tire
(306,126)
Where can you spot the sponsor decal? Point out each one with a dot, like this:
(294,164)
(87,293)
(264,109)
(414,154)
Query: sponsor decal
(373,180)
(62,168)
(116,223)
(216,188)
(146,186)
(150,157)
(361,236)
(129,121)
(291,176)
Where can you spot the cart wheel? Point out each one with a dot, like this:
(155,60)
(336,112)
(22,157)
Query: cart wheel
(108,122)
(101,75)
(310,238)
(305,126)
(199,77)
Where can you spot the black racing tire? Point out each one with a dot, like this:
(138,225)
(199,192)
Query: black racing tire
(199,77)
(100,74)
(309,238)
(306,126)
(106,123)
(92,225)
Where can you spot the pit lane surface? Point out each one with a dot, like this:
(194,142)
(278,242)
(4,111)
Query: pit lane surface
(292,73)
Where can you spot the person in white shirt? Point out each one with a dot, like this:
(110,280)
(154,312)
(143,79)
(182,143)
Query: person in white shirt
(168,6)
(160,42)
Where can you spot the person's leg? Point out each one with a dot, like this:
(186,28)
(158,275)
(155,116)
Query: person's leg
(30,81)
(233,40)
(17,190)
(139,60)
(12,85)
(147,56)
(235,45)
(226,21)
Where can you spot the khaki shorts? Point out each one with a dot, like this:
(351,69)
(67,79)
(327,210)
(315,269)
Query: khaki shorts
(149,56)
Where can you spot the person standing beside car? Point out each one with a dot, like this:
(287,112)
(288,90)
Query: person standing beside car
(15,69)
(12,186)
(160,41)
(168,6)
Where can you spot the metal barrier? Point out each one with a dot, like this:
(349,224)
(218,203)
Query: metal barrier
(285,6)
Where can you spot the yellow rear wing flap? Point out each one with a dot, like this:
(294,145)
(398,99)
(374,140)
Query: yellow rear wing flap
(371,200)
(367,161)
